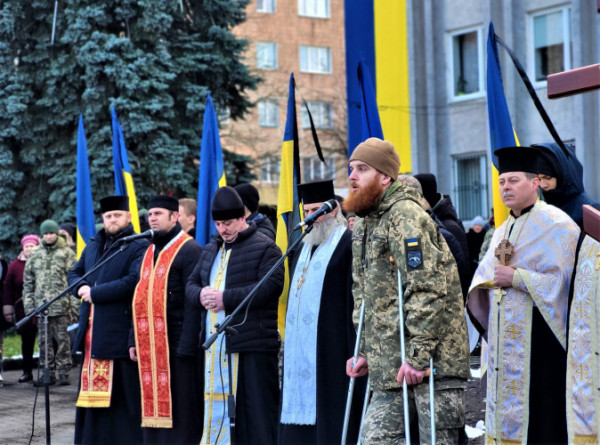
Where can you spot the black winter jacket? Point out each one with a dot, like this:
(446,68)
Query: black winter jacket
(112,289)
(252,255)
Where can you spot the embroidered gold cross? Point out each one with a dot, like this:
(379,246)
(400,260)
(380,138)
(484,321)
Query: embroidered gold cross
(598,263)
(513,387)
(513,331)
(580,371)
(580,311)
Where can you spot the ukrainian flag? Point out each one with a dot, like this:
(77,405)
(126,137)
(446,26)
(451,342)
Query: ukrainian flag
(288,207)
(376,32)
(86,228)
(502,133)
(211,173)
(123,179)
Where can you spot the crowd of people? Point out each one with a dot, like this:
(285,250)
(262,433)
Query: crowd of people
(392,261)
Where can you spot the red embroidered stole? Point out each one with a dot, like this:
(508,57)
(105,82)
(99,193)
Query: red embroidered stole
(96,375)
(151,340)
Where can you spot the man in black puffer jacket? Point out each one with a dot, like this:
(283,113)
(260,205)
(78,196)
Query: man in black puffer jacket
(227,271)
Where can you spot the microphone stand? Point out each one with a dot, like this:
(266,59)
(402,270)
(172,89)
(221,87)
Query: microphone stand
(224,327)
(43,310)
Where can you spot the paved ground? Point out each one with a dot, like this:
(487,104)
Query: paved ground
(17,418)
(18,399)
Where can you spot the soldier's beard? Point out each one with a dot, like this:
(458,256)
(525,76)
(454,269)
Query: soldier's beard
(323,230)
(364,200)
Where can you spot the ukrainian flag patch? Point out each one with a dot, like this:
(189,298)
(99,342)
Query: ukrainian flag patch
(414,255)
(413,242)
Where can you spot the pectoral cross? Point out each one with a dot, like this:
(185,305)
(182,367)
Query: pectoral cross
(504,251)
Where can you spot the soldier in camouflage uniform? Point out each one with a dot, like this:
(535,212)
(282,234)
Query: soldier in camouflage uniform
(395,233)
(45,276)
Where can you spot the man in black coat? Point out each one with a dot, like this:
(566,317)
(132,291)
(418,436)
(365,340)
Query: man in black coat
(319,331)
(108,408)
(170,370)
(228,269)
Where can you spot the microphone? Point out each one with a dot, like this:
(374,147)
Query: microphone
(146,234)
(327,207)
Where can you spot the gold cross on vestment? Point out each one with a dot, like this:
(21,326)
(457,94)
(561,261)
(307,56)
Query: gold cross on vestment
(301,279)
(513,387)
(504,251)
(580,371)
(513,331)
(598,263)
(580,311)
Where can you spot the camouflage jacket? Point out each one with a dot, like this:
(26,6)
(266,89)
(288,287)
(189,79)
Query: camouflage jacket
(45,276)
(400,235)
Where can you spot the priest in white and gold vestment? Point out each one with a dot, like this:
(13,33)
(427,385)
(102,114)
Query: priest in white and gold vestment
(519,296)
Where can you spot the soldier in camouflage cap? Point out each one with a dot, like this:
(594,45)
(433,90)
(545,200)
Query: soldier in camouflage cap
(394,233)
(45,276)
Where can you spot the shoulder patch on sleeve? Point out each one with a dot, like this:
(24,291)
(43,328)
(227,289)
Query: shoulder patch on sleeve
(414,254)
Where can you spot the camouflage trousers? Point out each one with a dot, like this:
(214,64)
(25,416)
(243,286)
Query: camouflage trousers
(384,420)
(59,358)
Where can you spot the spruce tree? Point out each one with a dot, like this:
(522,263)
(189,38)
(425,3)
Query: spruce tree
(153,60)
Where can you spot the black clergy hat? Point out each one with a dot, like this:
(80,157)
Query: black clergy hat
(318,191)
(112,203)
(227,204)
(249,195)
(164,202)
(517,159)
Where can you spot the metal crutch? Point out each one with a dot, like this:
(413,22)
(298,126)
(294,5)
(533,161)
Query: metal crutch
(364,410)
(430,372)
(352,380)
(402,356)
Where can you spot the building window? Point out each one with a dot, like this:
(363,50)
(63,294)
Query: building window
(265,6)
(315,59)
(322,114)
(268,113)
(269,170)
(314,8)
(224,116)
(466,73)
(266,55)
(551,43)
(470,179)
(313,169)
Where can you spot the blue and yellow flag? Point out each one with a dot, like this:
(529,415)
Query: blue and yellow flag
(123,179)
(86,227)
(502,133)
(288,207)
(211,173)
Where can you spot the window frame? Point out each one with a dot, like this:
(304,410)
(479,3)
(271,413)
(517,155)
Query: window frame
(267,10)
(481,92)
(306,14)
(327,170)
(274,102)
(314,105)
(270,167)
(567,41)
(484,183)
(272,45)
(308,69)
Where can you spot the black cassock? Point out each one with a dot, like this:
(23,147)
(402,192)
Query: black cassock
(336,337)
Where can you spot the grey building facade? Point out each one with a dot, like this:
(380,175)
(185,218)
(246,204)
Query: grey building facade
(447,55)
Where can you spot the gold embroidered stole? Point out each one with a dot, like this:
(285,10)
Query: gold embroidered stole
(96,375)
(216,378)
(151,337)
(583,359)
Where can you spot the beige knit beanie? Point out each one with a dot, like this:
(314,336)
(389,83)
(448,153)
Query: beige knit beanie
(380,155)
